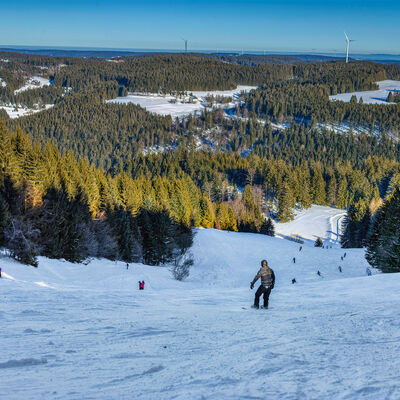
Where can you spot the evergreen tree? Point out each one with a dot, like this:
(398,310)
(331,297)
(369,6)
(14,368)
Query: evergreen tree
(318,242)
(286,203)
(4,219)
(63,226)
(383,245)
(267,228)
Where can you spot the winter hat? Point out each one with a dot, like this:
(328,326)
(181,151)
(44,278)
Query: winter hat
(264,261)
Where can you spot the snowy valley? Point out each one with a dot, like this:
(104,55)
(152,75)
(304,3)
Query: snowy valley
(74,331)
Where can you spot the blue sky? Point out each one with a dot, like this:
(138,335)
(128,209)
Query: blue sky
(286,25)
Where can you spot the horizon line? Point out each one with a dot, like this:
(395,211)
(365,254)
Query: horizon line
(213,51)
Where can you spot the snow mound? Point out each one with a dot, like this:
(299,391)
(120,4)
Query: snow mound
(25,362)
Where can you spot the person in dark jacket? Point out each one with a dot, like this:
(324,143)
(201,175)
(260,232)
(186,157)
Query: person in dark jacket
(267,284)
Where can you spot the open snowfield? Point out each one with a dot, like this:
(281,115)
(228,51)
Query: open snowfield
(69,331)
(314,222)
(162,105)
(371,96)
(34,82)
(22,111)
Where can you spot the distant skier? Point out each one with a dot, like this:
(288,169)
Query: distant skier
(294,281)
(267,284)
(127,266)
(340,268)
(341,258)
(368,270)
(294,260)
(0,272)
(344,256)
(301,248)
(141,285)
(319,273)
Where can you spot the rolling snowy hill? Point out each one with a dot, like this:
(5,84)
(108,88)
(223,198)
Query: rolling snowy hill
(72,331)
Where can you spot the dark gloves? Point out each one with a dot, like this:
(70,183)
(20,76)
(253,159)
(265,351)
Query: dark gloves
(251,285)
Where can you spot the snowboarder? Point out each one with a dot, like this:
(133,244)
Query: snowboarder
(294,260)
(340,268)
(319,273)
(368,270)
(301,248)
(294,281)
(141,285)
(267,284)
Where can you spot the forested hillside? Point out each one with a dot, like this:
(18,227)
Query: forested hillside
(235,167)
(57,206)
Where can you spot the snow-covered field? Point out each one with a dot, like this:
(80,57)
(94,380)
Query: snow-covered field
(14,112)
(86,332)
(371,96)
(34,82)
(161,104)
(314,222)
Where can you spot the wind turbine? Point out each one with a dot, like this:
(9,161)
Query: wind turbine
(347,46)
(186,42)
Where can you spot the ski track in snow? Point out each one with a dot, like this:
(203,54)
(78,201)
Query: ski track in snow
(316,221)
(94,335)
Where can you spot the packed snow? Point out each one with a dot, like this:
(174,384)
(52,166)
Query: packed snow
(16,112)
(34,82)
(74,331)
(178,107)
(311,223)
(372,96)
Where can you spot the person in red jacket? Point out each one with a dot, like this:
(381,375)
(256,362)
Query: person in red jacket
(141,285)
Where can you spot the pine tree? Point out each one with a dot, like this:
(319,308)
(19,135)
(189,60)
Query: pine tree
(383,249)
(4,218)
(286,203)
(318,242)
(267,228)
(208,216)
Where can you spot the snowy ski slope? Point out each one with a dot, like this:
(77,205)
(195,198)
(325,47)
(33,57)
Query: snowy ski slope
(316,221)
(86,332)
